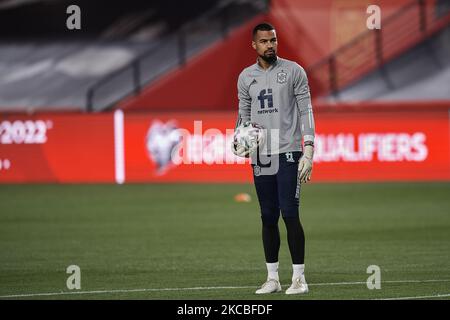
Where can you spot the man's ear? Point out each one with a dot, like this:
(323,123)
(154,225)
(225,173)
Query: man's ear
(254,45)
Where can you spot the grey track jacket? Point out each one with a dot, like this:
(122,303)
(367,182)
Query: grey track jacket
(277,98)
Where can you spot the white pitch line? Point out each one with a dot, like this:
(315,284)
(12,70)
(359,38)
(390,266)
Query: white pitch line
(418,297)
(202,288)
(415,281)
(120,291)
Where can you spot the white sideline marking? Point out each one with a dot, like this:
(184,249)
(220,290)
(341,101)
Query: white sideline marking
(208,288)
(120,291)
(418,297)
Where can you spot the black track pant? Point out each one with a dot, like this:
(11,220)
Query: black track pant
(277,192)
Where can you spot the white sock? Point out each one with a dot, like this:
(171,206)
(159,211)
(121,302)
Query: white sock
(298,270)
(272,271)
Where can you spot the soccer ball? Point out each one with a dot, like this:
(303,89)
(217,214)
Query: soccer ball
(249,136)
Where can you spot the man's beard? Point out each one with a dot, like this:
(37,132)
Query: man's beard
(269,59)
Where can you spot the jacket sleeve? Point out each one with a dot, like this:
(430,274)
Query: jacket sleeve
(303,97)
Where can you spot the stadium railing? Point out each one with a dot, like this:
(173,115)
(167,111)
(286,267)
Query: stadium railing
(186,41)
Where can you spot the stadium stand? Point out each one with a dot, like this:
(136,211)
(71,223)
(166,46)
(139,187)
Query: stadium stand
(44,19)
(332,65)
(56,75)
(134,59)
(413,24)
(422,73)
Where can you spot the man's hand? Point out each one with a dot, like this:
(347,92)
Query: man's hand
(305,164)
(239,151)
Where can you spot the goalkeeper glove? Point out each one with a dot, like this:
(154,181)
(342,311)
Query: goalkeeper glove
(305,164)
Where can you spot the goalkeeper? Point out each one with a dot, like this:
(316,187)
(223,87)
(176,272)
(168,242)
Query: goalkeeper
(274,93)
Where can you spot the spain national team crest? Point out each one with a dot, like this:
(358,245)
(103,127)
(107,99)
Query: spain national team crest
(281,77)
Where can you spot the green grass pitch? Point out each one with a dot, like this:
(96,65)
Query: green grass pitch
(185,241)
